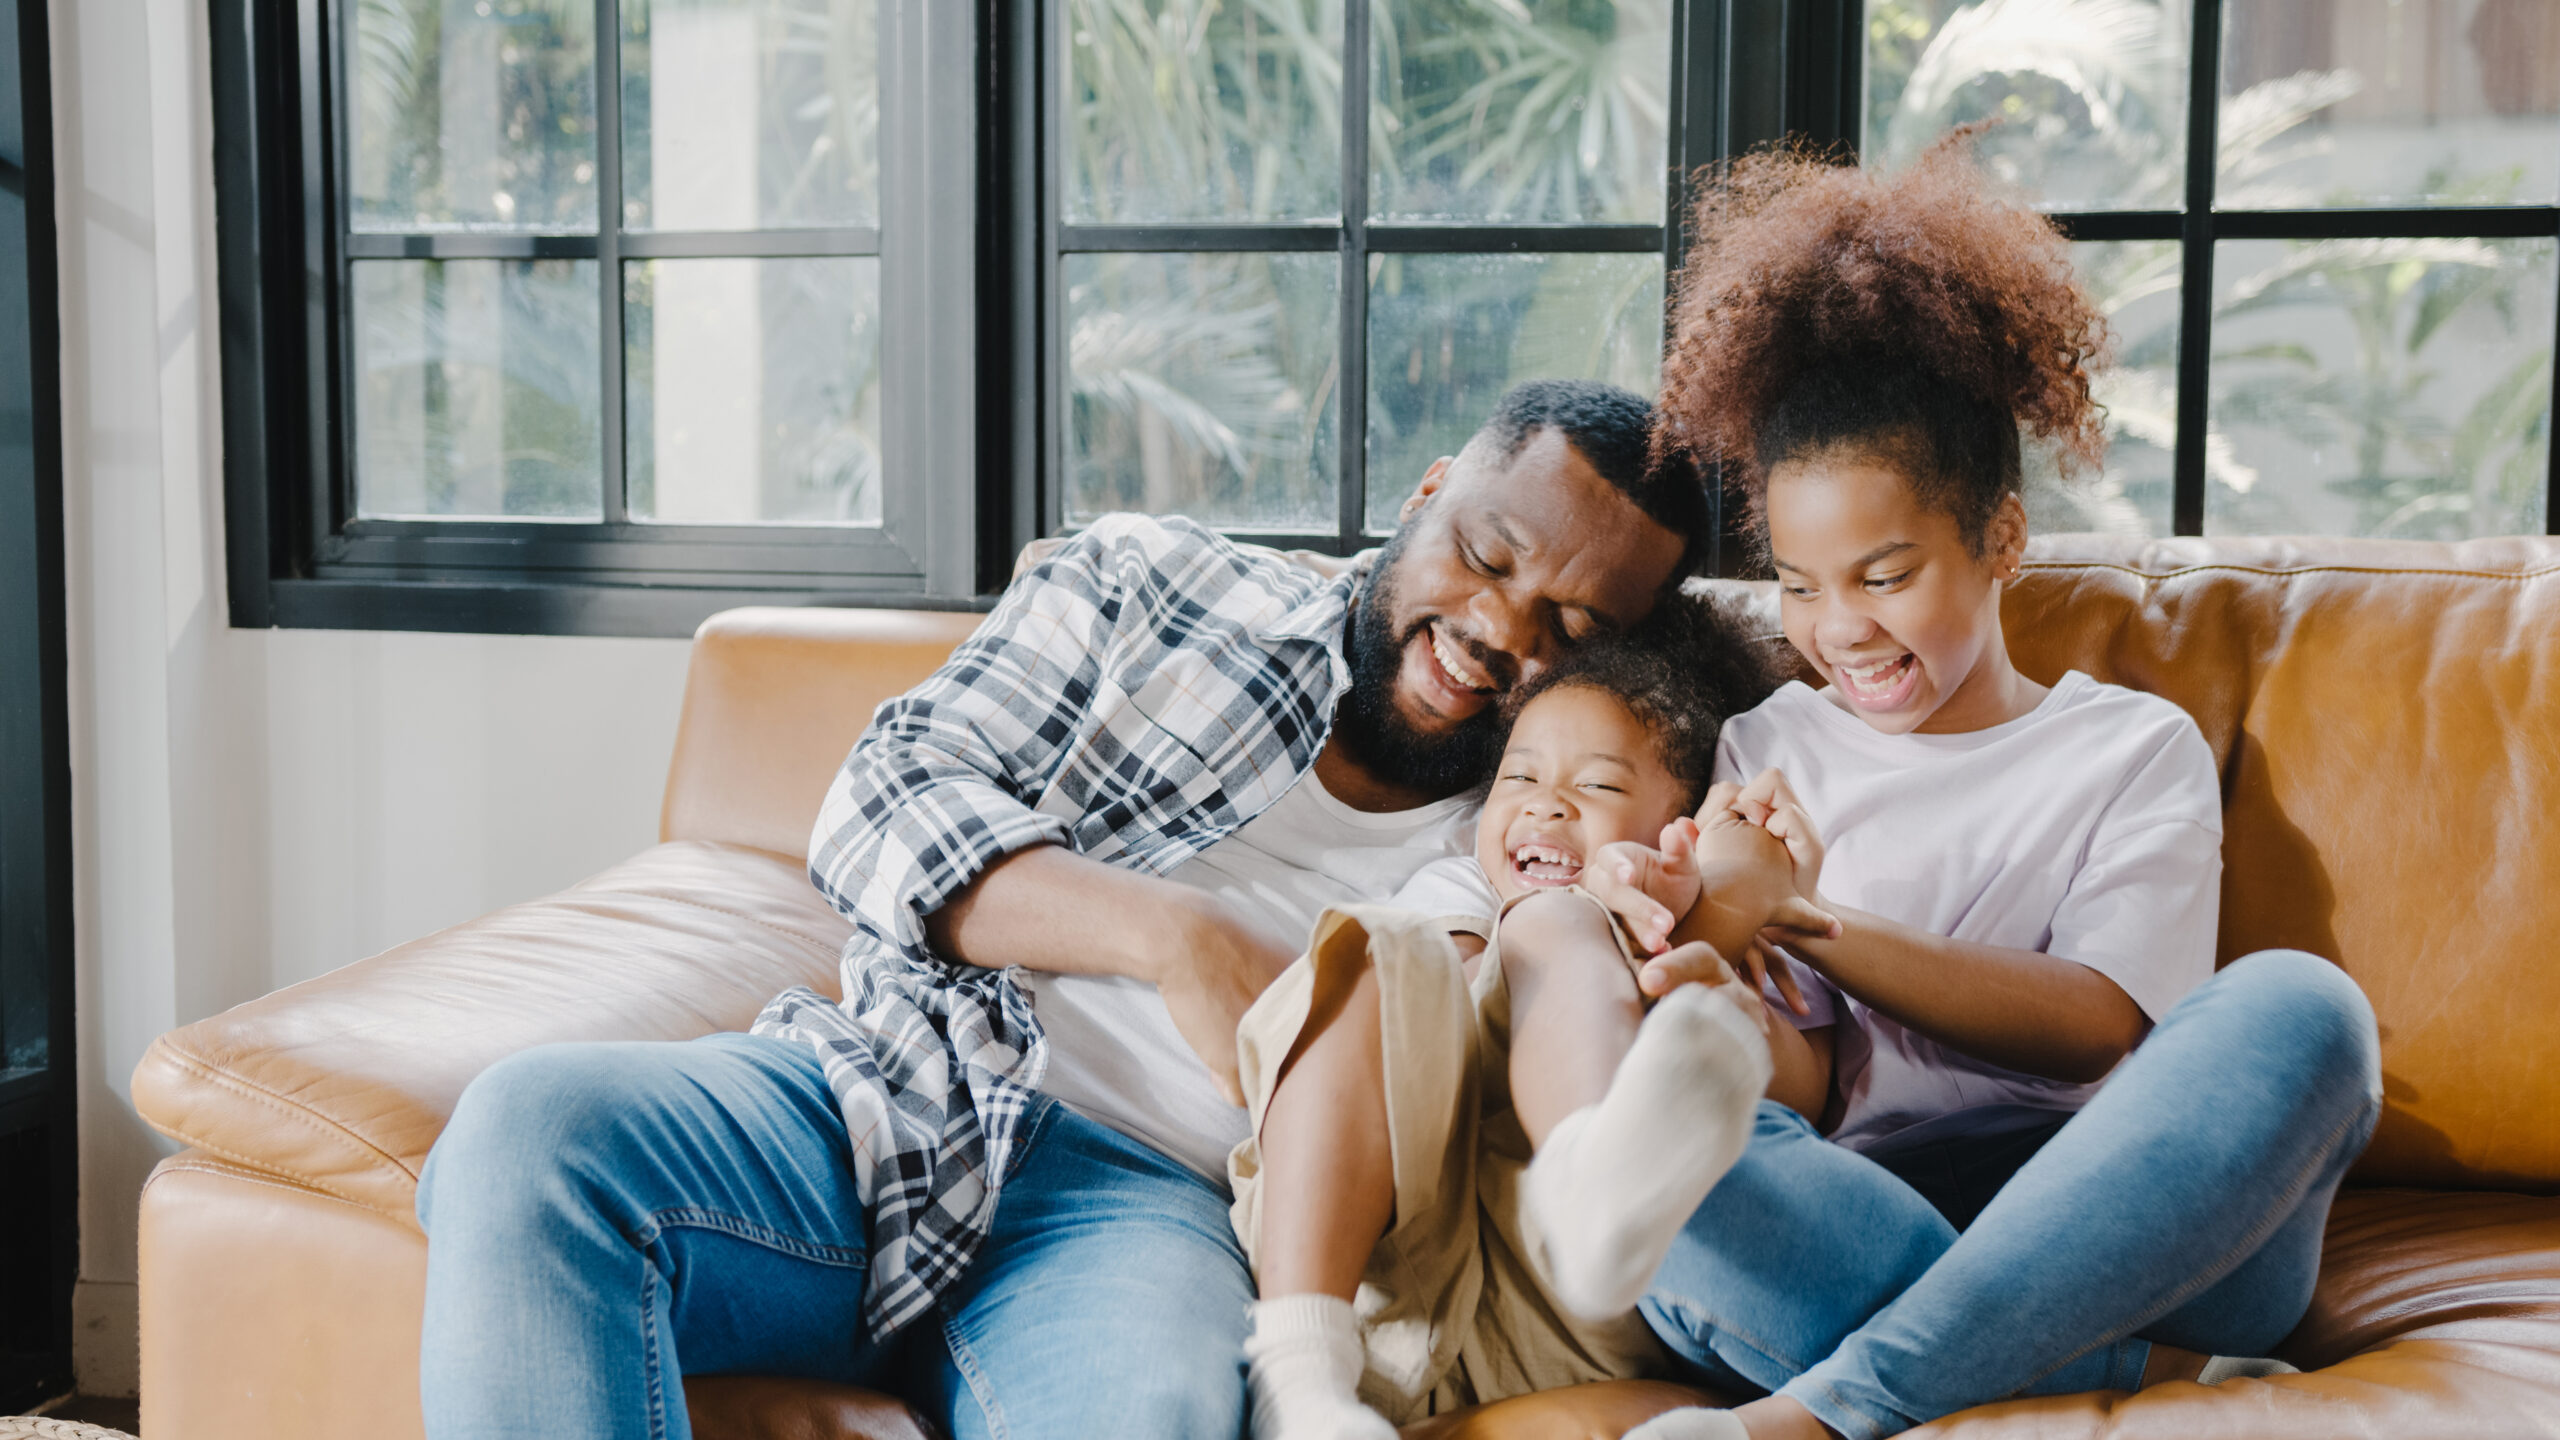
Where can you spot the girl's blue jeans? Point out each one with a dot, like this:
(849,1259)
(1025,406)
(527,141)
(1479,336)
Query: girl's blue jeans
(605,1218)
(2185,1204)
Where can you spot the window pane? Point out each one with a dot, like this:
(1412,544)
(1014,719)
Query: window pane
(476,388)
(2092,94)
(2136,284)
(1548,110)
(750,114)
(2386,102)
(1203,110)
(2383,387)
(1449,333)
(753,390)
(473,115)
(1203,385)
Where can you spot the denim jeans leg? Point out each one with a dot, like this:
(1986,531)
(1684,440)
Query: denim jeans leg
(1109,1303)
(2221,1138)
(1792,1251)
(602,1218)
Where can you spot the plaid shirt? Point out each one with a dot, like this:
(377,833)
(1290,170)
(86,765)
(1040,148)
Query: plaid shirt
(1135,697)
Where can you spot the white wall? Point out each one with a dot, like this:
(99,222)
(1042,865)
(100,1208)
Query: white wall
(252,808)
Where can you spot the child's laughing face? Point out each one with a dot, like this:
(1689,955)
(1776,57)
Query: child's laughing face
(1579,771)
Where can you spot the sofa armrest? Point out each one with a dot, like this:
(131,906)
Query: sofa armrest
(342,1083)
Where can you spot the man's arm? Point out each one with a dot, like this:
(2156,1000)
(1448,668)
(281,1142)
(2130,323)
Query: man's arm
(1052,909)
(943,826)
(950,777)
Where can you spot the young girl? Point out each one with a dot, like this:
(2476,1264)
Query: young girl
(2025,874)
(1399,1086)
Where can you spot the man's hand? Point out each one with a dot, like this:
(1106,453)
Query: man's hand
(1210,967)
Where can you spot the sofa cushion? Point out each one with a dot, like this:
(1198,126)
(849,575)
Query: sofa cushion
(2437,1317)
(341,1083)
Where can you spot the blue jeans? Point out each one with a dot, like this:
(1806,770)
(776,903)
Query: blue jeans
(2184,1204)
(605,1219)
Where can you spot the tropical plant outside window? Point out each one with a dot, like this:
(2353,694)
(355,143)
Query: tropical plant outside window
(1499,216)
(2379,242)
(1294,249)
(672,322)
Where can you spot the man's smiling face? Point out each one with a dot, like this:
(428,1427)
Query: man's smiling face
(1498,567)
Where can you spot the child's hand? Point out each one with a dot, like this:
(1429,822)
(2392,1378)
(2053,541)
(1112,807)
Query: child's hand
(1648,889)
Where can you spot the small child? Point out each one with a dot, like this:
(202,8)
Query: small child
(1472,1144)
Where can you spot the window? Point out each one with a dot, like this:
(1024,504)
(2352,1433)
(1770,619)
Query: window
(1296,248)
(601,315)
(2325,231)
(572,315)
(844,300)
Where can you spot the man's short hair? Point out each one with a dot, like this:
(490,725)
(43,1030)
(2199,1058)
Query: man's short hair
(1612,429)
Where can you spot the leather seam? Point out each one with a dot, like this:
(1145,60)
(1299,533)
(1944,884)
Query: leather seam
(252,1177)
(2541,572)
(814,943)
(267,1099)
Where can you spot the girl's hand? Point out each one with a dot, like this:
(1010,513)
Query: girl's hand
(1768,802)
(1763,959)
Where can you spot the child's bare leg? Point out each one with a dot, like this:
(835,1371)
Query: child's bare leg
(1328,1179)
(1574,1014)
(1328,1194)
(1637,1130)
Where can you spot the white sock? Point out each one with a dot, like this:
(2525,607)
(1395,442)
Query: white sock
(1615,1181)
(1691,1423)
(1305,1376)
(2219,1368)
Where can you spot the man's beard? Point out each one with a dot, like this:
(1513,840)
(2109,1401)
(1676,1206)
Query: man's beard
(1367,720)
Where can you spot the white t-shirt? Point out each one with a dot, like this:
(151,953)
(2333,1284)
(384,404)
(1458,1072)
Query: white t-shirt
(1453,890)
(1114,1054)
(2089,829)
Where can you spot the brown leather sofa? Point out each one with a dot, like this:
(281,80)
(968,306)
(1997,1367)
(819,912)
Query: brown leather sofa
(2387,718)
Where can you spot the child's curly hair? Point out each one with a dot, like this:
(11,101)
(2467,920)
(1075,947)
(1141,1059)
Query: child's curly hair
(1691,666)
(1918,314)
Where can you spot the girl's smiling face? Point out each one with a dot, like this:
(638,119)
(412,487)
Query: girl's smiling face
(1880,591)
(1579,771)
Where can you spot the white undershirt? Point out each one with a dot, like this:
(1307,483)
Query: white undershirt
(1114,1054)
(2089,829)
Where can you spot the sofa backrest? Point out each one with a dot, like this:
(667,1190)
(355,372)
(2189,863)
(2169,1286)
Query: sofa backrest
(773,700)
(2386,717)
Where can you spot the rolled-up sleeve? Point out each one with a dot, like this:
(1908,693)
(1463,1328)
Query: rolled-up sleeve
(2145,904)
(948,778)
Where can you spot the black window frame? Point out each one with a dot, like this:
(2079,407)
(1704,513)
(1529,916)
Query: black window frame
(298,553)
(1743,72)
(2197,226)
(39,1103)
